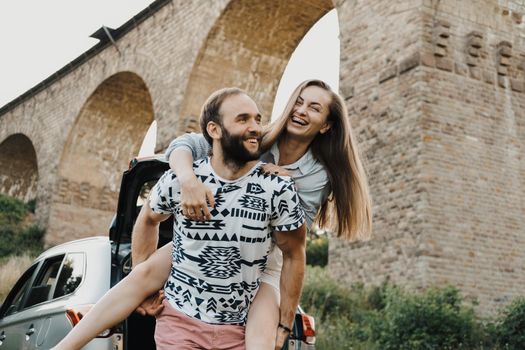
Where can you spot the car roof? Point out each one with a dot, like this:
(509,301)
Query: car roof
(68,246)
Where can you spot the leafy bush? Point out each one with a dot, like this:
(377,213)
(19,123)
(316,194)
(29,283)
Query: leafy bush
(336,333)
(324,295)
(12,210)
(332,307)
(343,315)
(434,320)
(317,251)
(510,327)
(17,236)
(387,317)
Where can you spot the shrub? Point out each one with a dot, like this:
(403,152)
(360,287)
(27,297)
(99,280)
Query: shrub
(343,315)
(12,210)
(317,251)
(510,327)
(387,317)
(433,320)
(16,241)
(323,295)
(16,235)
(336,333)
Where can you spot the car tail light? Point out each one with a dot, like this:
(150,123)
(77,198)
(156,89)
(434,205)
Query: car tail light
(75,314)
(308,329)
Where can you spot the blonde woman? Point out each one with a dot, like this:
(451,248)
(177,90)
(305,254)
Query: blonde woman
(312,142)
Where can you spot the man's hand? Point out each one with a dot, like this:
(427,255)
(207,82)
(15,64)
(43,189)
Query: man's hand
(194,199)
(152,306)
(281,337)
(270,168)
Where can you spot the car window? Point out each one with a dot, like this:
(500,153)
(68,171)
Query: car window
(71,275)
(15,298)
(45,282)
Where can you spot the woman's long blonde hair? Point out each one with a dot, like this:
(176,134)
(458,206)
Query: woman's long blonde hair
(337,151)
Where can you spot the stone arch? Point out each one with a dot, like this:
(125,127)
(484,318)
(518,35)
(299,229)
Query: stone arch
(107,133)
(249,46)
(18,167)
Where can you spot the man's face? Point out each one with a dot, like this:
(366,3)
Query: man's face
(241,130)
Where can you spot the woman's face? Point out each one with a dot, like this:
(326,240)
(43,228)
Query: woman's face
(310,113)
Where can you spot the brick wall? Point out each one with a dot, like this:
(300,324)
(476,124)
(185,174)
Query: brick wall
(444,152)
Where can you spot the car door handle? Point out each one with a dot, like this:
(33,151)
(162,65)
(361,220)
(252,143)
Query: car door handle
(30,331)
(2,337)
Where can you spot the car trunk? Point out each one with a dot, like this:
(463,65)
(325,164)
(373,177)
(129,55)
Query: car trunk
(136,182)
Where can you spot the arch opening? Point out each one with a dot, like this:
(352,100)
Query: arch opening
(18,168)
(249,46)
(317,56)
(108,132)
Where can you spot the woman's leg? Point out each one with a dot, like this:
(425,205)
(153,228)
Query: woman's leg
(263,318)
(121,300)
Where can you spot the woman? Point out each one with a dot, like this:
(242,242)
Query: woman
(313,142)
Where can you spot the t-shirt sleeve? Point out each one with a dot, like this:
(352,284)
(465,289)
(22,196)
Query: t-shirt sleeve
(192,142)
(163,197)
(287,213)
(313,192)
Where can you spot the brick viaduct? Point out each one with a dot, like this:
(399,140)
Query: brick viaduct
(436,96)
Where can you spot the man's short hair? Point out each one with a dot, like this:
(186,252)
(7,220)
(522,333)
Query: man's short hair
(210,109)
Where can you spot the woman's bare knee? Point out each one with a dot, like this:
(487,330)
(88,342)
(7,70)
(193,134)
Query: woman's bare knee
(152,273)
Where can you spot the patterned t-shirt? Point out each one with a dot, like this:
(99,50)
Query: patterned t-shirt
(216,264)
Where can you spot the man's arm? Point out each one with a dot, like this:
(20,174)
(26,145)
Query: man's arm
(145,234)
(292,244)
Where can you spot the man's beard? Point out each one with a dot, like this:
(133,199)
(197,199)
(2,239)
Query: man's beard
(233,150)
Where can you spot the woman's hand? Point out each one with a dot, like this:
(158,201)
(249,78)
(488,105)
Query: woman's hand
(194,198)
(270,168)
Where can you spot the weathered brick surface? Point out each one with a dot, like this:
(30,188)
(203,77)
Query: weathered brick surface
(435,92)
(444,149)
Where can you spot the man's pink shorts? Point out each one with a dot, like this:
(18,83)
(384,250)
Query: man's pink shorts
(176,330)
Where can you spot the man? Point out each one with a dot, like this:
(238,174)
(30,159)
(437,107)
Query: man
(217,263)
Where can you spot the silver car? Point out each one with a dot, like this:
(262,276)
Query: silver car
(54,293)
(65,281)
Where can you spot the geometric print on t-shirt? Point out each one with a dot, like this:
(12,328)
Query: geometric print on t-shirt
(217,263)
(253,202)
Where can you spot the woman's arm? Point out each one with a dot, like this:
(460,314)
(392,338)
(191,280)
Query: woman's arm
(195,196)
(194,143)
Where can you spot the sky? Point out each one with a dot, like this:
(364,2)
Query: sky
(39,37)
